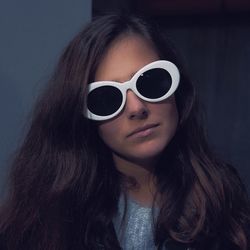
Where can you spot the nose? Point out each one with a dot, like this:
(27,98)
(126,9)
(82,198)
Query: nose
(135,108)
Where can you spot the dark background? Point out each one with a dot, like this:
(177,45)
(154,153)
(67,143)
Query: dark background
(213,39)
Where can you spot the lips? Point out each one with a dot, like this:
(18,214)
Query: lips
(142,129)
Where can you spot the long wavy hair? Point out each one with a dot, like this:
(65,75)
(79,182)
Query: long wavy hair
(64,188)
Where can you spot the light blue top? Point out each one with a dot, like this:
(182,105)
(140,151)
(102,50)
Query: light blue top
(136,233)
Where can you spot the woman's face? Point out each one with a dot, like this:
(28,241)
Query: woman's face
(156,122)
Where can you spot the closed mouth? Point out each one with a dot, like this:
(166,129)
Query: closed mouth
(143,128)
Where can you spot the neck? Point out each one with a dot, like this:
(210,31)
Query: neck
(139,178)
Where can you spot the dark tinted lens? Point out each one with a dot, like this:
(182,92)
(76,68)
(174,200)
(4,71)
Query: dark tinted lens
(154,83)
(104,100)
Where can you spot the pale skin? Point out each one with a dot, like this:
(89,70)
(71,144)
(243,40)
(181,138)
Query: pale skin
(136,155)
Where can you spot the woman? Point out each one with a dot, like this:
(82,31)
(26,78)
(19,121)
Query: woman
(116,156)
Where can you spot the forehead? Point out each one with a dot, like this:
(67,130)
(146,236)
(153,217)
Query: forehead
(125,56)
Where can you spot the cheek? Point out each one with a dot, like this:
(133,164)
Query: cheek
(172,115)
(168,114)
(167,111)
(108,131)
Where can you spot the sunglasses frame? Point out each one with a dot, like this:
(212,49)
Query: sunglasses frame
(131,85)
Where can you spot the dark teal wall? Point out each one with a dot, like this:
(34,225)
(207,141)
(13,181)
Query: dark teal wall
(32,35)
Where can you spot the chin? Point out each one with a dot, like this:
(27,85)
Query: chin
(149,151)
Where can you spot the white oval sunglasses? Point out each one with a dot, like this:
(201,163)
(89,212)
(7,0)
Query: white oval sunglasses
(155,82)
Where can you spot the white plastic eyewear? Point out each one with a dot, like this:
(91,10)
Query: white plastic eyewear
(155,82)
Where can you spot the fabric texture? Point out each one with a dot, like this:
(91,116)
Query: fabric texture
(135,232)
